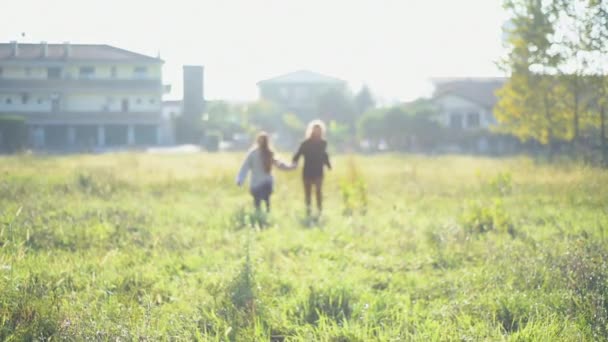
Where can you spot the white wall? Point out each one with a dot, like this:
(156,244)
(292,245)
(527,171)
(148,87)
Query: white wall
(20,72)
(104,71)
(32,104)
(112,103)
(72,71)
(170,110)
(449,104)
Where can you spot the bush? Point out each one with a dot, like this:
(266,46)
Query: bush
(485,217)
(585,270)
(13,134)
(332,303)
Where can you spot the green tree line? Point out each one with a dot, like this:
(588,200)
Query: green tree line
(558,60)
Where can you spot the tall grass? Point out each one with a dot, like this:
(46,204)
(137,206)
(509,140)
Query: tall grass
(165,247)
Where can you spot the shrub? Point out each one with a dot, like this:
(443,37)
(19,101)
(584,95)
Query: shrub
(481,218)
(585,270)
(335,304)
(13,134)
(501,184)
(354,191)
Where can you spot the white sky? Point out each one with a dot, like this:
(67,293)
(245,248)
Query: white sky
(394,46)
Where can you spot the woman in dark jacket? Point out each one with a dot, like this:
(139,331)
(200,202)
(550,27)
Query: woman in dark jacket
(314,151)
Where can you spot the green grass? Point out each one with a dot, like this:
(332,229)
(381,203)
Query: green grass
(166,247)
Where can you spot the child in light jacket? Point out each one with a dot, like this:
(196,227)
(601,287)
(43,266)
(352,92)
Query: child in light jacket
(260,161)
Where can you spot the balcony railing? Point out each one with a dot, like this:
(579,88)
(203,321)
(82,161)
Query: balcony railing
(70,84)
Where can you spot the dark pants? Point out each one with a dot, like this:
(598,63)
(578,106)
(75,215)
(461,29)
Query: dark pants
(317,182)
(261,194)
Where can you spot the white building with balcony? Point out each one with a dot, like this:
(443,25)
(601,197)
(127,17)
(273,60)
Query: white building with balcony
(467,103)
(82,96)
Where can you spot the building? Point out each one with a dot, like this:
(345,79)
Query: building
(188,112)
(466,103)
(82,96)
(466,108)
(297,91)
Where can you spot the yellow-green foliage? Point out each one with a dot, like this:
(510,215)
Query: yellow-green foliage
(166,247)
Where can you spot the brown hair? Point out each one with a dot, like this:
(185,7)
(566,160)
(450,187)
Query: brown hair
(267,154)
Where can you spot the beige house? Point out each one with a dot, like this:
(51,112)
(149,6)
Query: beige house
(76,96)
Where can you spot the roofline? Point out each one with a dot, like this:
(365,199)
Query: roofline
(137,55)
(332,79)
(133,53)
(301,83)
(61,61)
(437,80)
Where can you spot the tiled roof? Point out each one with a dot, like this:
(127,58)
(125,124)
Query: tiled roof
(479,90)
(84,52)
(300,77)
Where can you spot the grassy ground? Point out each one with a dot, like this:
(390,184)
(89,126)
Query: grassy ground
(165,247)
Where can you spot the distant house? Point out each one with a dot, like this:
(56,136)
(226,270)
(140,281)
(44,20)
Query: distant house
(172,108)
(76,96)
(297,91)
(466,108)
(466,103)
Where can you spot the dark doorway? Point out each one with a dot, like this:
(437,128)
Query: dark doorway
(55,105)
(86,136)
(116,135)
(53,73)
(124,105)
(146,135)
(56,136)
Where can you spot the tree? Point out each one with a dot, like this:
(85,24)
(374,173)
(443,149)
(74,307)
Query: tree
(364,100)
(596,32)
(371,125)
(265,115)
(527,103)
(335,104)
(224,118)
(405,127)
(557,89)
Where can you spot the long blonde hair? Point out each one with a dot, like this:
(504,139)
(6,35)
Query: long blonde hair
(311,127)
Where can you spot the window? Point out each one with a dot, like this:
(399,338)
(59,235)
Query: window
(9,100)
(86,72)
(456,120)
(138,101)
(39,101)
(25,98)
(473,120)
(55,104)
(152,101)
(140,72)
(125,105)
(113,72)
(53,73)
(284,92)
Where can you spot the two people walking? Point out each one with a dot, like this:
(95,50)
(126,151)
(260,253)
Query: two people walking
(261,159)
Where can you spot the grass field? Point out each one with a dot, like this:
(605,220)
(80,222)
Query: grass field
(165,247)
